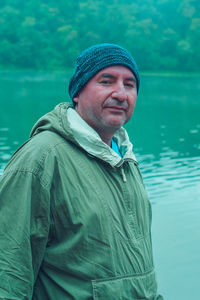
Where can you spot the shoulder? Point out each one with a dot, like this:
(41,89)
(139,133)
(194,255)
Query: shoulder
(37,155)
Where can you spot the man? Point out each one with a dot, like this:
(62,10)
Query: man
(74,215)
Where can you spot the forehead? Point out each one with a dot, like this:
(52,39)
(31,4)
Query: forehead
(116,70)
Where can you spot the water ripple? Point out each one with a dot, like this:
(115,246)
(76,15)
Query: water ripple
(171,179)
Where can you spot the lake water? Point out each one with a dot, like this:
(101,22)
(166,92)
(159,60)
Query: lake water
(165,131)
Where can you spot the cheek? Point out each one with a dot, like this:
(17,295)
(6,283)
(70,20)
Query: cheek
(131,107)
(132,103)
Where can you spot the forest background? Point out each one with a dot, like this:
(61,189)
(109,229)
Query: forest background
(162,35)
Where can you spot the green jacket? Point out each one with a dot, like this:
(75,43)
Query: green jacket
(75,219)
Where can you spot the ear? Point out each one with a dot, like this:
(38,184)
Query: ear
(75,99)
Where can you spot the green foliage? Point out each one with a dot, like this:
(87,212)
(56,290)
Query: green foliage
(162,35)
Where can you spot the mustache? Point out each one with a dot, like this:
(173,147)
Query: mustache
(115,102)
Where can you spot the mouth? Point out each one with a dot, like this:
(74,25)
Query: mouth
(115,108)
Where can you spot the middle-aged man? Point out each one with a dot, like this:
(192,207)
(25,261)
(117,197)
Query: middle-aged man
(75,220)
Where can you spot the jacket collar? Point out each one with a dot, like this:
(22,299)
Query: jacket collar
(91,142)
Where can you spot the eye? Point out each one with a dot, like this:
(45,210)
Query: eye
(106,82)
(130,85)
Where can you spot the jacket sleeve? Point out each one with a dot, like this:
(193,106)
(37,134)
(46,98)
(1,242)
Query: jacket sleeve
(24,228)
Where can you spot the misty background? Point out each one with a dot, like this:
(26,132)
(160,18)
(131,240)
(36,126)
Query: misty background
(162,35)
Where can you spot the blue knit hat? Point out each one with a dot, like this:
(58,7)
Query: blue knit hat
(96,58)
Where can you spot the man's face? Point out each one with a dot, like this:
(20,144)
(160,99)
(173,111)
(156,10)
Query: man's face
(107,101)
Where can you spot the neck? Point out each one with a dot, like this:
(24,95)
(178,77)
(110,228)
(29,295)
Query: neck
(107,140)
(106,135)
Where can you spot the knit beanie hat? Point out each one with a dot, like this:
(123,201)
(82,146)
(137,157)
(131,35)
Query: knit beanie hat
(96,58)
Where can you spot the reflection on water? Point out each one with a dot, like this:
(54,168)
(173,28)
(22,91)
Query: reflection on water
(173,185)
(171,177)
(165,131)
(6,148)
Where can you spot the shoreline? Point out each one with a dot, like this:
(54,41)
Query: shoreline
(70,71)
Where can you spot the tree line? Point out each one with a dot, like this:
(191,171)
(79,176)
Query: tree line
(162,35)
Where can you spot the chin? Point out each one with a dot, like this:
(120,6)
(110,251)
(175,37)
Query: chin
(116,124)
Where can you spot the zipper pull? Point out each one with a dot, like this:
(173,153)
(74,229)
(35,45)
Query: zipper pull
(123,174)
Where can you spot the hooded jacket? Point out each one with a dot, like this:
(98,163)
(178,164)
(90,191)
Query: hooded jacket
(75,219)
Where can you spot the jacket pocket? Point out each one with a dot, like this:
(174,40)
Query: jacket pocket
(131,287)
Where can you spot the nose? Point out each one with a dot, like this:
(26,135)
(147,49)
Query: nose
(119,92)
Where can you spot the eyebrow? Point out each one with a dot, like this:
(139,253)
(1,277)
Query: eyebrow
(108,75)
(131,79)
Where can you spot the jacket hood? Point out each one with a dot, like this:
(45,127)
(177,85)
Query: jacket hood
(66,122)
(54,121)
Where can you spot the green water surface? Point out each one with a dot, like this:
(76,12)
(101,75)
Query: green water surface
(165,131)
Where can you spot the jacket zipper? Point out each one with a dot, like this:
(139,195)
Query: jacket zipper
(123,174)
